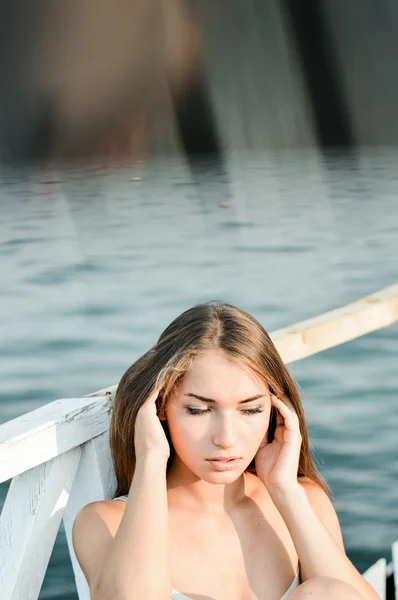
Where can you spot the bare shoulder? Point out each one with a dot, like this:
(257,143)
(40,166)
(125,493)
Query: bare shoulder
(309,484)
(314,491)
(323,507)
(94,527)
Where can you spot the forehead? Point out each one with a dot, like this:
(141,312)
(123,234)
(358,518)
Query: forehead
(216,375)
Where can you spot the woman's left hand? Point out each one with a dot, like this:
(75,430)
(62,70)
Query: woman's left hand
(277,462)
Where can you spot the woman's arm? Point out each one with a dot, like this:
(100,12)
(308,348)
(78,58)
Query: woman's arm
(305,507)
(137,563)
(318,539)
(128,558)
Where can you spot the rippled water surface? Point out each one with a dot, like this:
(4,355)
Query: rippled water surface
(94,263)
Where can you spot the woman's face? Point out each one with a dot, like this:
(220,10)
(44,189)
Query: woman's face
(221,409)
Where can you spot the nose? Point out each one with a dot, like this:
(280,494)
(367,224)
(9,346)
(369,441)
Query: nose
(225,432)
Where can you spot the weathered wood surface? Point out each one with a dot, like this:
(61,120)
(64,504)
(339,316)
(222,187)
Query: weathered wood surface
(29,523)
(338,326)
(48,431)
(376,577)
(95,480)
(395,566)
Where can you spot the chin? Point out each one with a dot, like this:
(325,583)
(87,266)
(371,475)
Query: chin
(221,477)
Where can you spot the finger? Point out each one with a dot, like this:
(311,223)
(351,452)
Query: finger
(287,402)
(287,413)
(153,396)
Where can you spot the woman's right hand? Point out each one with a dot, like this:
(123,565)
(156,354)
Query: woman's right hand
(149,435)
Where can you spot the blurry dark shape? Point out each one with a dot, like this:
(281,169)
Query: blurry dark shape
(120,79)
(86,78)
(320,72)
(37,135)
(195,120)
(26,122)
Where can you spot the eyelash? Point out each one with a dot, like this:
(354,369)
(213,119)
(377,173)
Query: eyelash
(198,411)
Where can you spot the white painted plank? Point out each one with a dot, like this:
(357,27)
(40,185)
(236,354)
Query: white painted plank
(395,563)
(109,391)
(376,577)
(337,326)
(95,480)
(48,431)
(29,524)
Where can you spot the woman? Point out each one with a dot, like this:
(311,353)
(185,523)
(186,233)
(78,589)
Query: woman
(217,495)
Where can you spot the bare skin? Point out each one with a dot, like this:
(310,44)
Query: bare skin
(213,515)
(226,539)
(258,555)
(257,547)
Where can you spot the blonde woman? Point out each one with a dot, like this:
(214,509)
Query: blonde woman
(217,495)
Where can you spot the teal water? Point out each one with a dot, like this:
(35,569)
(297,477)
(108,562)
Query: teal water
(94,265)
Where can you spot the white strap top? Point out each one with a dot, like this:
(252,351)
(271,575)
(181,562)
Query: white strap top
(178,596)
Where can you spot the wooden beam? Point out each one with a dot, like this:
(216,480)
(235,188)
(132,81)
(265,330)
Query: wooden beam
(376,577)
(50,430)
(395,563)
(29,523)
(337,326)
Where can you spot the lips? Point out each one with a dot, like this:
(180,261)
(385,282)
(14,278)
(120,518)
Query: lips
(224,464)
(223,459)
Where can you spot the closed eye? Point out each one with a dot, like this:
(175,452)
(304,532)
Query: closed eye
(200,411)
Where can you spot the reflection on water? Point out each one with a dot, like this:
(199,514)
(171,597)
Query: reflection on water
(95,263)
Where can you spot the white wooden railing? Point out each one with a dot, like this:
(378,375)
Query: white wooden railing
(58,457)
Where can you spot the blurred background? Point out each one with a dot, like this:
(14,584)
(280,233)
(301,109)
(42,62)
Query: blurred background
(159,153)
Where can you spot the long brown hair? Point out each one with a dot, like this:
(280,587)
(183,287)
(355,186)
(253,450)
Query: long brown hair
(204,327)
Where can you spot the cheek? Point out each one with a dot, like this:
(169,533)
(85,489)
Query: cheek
(257,428)
(186,431)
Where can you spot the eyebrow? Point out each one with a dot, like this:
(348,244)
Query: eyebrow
(211,401)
